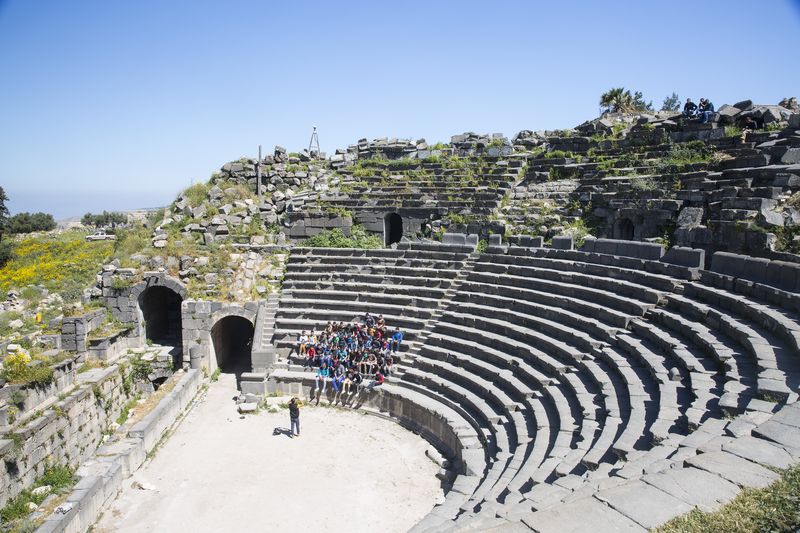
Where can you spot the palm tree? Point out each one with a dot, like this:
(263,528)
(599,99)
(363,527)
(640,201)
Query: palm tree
(616,100)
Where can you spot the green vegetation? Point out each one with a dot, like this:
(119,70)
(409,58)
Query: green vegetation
(774,508)
(63,263)
(671,102)
(684,154)
(497,143)
(643,184)
(620,99)
(334,238)
(20,369)
(3,212)
(30,222)
(141,369)
(578,230)
(733,131)
(215,374)
(58,477)
(196,194)
(337,211)
(6,252)
(126,410)
(104,219)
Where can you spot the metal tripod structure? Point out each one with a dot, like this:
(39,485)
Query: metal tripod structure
(313,144)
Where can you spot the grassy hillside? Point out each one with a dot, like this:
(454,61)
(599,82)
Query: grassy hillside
(63,263)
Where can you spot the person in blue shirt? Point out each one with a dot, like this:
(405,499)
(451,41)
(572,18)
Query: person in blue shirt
(397,339)
(705,110)
(323,374)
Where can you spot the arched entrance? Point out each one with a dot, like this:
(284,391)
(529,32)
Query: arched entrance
(161,315)
(625,229)
(232,337)
(392,228)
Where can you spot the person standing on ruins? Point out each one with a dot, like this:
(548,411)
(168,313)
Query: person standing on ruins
(294,417)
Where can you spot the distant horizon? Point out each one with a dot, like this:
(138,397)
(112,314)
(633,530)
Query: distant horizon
(116,105)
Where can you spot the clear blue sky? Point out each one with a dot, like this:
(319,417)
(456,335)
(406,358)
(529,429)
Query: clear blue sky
(120,104)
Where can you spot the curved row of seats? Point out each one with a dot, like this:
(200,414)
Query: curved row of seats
(578,373)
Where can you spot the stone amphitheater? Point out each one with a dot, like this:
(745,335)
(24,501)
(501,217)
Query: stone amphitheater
(597,338)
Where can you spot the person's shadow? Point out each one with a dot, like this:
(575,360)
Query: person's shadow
(281,431)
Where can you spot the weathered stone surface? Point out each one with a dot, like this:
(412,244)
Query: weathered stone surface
(695,487)
(759,451)
(582,516)
(785,435)
(734,468)
(645,504)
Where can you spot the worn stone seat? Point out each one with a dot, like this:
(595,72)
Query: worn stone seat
(347,262)
(622,271)
(494,287)
(625,305)
(776,362)
(369,279)
(354,290)
(377,297)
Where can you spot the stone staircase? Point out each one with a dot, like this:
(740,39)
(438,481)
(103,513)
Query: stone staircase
(264,354)
(443,303)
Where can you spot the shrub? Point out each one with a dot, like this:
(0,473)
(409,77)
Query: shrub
(30,222)
(141,369)
(58,477)
(106,218)
(196,194)
(6,252)
(64,263)
(359,238)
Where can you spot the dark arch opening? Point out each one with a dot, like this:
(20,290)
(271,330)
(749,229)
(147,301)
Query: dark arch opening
(626,229)
(392,228)
(233,341)
(161,311)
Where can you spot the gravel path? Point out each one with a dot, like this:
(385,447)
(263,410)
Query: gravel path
(219,472)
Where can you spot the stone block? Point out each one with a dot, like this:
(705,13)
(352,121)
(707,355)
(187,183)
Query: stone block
(643,503)
(687,257)
(794,121)
(495,239)
(581,516)
(727,263)
(454,239)
(733,468)
(472,239)
(529,241)
(562,243)
(695,487)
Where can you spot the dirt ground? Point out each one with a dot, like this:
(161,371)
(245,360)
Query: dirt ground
(221,472)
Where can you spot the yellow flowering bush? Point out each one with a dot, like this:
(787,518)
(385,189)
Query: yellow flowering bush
(63,263)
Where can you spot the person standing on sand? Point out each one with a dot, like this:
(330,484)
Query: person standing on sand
(294,416)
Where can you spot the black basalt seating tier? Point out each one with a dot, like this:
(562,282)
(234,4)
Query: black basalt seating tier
(575,379)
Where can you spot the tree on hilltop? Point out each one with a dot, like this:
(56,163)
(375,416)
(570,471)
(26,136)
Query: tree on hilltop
(30,222)
(3,212)
(671,103)
(620,100)
(104,219)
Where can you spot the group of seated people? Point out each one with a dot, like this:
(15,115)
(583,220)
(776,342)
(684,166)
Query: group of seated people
(701,112)
(350,357)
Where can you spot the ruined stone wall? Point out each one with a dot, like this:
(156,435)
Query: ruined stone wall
(67,433)
(198,318)
(75,330)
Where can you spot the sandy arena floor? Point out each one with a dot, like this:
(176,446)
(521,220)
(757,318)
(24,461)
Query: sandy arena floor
(219,472)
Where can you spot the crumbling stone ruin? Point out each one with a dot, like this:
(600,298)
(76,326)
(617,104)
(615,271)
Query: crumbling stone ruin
(601,323)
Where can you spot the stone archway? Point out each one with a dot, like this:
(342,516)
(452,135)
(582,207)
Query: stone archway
(392,228)
(160,308)
(232,339)
(625,229)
